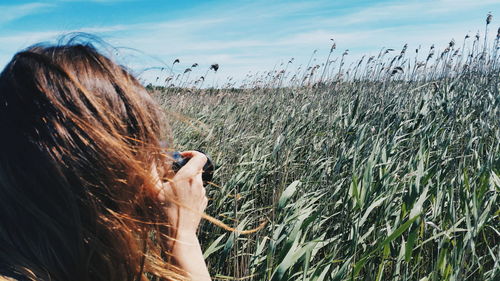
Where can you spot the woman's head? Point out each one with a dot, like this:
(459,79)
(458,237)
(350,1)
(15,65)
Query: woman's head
(79,135)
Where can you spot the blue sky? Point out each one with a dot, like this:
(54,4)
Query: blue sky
(243,36)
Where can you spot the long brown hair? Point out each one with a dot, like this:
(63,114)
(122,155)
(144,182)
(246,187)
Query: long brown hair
(78,136)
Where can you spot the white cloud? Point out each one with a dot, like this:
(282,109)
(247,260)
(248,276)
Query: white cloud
(409,10)
(234,36)
(98,1)
(13,12)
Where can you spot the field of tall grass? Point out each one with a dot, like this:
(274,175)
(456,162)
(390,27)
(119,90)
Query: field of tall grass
(387,169)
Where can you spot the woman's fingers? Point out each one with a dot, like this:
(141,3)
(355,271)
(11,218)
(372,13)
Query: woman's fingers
(189,153)
(194,166)
(184,195)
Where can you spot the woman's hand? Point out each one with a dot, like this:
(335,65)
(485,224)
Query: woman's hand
(185,201)
(184,195)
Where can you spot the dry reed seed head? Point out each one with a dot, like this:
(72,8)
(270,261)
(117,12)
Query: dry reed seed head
(396,70)
(394,59)
(452,43)
(404,49)
(498,33)
(176,61)
(214,67)
(334,46)
(466,36)
(194,65)
(187,70)
(361,60)
(489,17)
(477,35)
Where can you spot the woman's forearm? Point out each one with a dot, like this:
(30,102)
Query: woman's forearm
(188,255)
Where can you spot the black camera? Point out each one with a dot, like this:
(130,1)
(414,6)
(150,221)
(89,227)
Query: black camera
(208,168)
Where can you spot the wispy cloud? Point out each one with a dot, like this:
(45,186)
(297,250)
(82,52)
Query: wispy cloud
(257,35)
(409,11)
(98,1)
(14,12)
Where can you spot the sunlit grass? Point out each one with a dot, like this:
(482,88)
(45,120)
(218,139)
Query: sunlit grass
(385,170)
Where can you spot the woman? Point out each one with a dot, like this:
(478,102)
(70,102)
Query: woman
(86,190)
